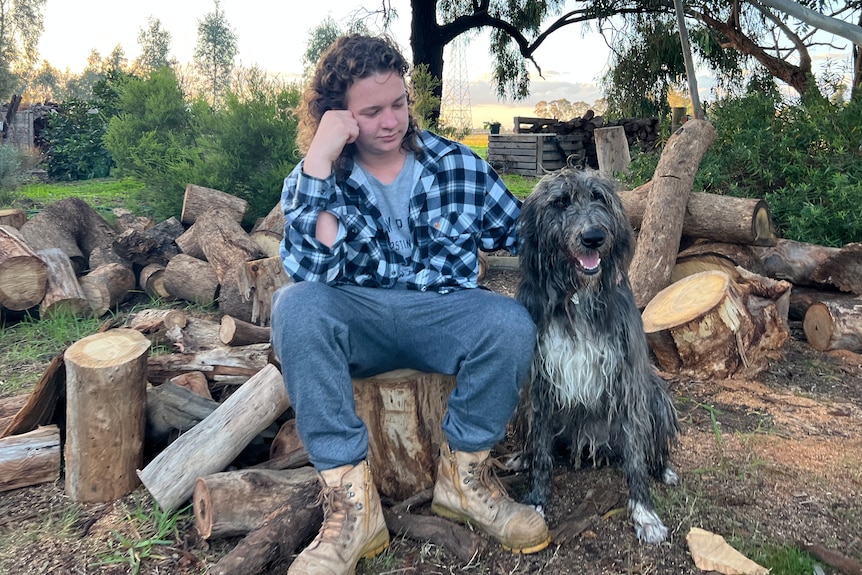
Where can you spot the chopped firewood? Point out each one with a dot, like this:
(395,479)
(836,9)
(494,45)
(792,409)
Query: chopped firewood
(42,403)
(244,360)
(191,279)
(831,325)
(63,292)
(259,280)
(13,217)
(155,245)
(194,381)
(171,407)
(214,442)
(108,286)
(105,414)
(234,331)
(23,274)
(199,199)
(29,459)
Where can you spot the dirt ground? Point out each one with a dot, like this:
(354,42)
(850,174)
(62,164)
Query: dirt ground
(774,465)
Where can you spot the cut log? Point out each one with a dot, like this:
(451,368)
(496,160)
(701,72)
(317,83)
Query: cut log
(612,150)
(213,443)
(661,228)
(286,441)
(105,414)
(152,281)
(107,286)
(191,279)
(403,411)
(709,326)
(126,220)
(23,274)
(9,407)
(831,325)
(156,245)
(198,200)
(244,360)
(458,540)
(234,331)
(238,502)
(42,403)
(227,247)
(194,381)
(269,243)
(30,459)
(171,407)
(260,279)
(800,263)
(802,298)
(64,293)
(278,538)
(188,244)
(100,256)
(713,217)
(272,222)
(13,217)
(71,225)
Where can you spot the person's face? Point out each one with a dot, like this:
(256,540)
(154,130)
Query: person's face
(379,105)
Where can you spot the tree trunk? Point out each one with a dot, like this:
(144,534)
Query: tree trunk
(23,274)
(191,279)
(237,502)
(152,281)
(227,247)
(834,325)
(188,244)
(213,443)
(105,414)
(30,459)
(712,216)
(711,327)
(107,286)
(64,293)
(403,411)
(198,200)
(661,229)
(234,331)
(156,245)
(71,225)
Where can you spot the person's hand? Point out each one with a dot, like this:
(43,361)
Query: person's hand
(337,129)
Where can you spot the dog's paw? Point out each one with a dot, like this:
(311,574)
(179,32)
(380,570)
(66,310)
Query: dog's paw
(515,462)
(648,525)
(669,476)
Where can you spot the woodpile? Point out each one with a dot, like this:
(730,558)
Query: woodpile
(69,258)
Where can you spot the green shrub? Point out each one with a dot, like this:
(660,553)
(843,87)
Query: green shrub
(804,160)
(15,166)
(73,142)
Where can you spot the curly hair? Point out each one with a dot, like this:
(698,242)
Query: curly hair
(349,58)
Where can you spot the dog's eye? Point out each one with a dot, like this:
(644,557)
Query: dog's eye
(562,202)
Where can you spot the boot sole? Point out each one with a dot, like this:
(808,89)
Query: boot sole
(378,543)
(525,549)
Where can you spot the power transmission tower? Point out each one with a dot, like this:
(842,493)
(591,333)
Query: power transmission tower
(455,107)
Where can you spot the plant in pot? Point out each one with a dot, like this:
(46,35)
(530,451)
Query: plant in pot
(493,126)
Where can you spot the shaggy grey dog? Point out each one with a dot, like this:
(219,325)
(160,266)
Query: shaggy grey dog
(593,390)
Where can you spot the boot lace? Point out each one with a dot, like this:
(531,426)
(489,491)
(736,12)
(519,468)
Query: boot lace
(483,476)
(338,520)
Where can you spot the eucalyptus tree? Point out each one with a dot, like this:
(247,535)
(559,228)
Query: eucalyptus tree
(21,26)
(155,43)
(215,51)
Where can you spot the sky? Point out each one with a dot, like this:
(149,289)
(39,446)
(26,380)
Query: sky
(274,35)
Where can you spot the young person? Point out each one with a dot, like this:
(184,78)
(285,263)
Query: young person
(384,223)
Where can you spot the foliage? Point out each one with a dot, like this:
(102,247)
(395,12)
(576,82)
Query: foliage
(803,159)
(101,194)
(155,43)
(151,139)
(215,51)
(15,165)
(248,147)
(322,36)
(21,25)
(561,109)
(423,86)
(73,142)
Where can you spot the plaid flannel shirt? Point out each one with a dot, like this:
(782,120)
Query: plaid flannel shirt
(459,206)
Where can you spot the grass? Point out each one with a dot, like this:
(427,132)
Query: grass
(103,194)
(519,185)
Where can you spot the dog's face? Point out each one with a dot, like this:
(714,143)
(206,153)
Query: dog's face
(574,218)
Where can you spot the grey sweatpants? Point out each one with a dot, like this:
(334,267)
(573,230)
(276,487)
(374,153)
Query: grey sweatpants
(324,336)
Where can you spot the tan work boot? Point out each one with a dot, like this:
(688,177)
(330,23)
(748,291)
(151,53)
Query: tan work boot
(468,490)
(353,525)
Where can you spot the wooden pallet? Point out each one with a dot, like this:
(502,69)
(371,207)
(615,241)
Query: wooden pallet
(534,154)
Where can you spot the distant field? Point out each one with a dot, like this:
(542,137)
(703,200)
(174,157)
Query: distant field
(478,143)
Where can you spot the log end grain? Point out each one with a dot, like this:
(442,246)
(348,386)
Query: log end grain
(685,300)
(107,349)
(818,326)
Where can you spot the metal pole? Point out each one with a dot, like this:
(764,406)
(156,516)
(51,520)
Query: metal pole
(689,65)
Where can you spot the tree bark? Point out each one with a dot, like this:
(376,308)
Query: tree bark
(64,293)
(156,245)
(712,216)
(834,325)
(107,286)
(709,326)
(13,217)
(244,360)
(42,403)
(403,411)
(30,459)
(171,407)
(198,200)
(259,281)
(152,281)
(188,244)
(234,503)
(105,414)
(661,229)
(234,331)
(23,274)
(213,443)
(71,225)
(227,247)
(191,279)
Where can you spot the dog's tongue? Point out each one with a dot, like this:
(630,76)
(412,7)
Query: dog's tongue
(589,261)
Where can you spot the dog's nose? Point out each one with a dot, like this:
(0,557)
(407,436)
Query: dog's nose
(593,238)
